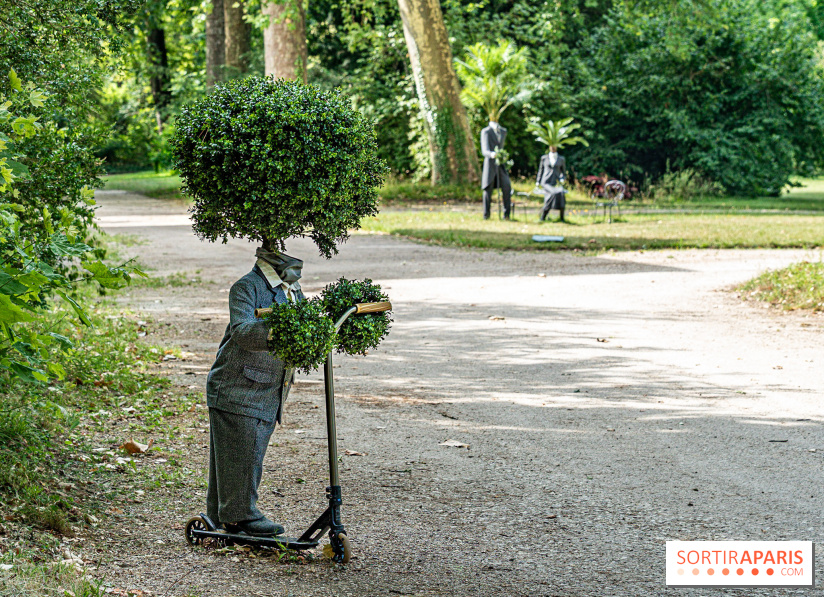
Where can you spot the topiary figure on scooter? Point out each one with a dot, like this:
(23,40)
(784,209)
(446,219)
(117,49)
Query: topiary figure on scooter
(267,160)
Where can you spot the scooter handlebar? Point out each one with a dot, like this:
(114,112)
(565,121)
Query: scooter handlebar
(361,308)
(373,307)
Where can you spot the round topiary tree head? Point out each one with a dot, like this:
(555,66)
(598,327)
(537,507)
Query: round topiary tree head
(271,159)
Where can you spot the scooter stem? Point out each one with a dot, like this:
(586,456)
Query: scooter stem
(329,386)
(331,432)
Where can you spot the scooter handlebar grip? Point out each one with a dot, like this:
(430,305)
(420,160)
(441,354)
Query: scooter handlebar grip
(262,311)
(373,307)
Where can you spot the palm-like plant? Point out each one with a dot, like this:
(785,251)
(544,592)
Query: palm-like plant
(493,77)
(556,133)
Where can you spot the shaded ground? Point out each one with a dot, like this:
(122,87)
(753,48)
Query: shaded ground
(610,404)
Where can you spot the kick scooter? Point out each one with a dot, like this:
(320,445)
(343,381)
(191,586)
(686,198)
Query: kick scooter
(200,528)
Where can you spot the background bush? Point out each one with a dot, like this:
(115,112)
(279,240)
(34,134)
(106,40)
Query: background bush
(266,159)
(731,90)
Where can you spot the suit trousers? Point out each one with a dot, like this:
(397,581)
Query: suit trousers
(552,201)
(506,191)
(237,445)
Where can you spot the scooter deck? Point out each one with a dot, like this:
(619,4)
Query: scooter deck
(278,541)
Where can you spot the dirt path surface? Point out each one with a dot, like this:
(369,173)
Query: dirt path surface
(609,403)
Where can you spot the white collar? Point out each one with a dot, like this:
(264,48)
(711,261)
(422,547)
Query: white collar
(274,279)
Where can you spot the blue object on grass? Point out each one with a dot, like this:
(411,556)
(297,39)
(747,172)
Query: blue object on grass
(543,238)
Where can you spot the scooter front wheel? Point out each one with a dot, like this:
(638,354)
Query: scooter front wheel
(343,549)
(339,549)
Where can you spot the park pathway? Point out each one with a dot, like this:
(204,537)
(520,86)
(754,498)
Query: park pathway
(609,403)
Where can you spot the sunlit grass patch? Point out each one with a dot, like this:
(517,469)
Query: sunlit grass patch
(587,233)
(799,286)
(161,185)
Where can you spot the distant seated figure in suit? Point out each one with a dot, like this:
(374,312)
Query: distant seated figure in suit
(551,175)
(494,175)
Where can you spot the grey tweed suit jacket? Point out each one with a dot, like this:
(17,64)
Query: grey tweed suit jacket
(245,378)
(548,174)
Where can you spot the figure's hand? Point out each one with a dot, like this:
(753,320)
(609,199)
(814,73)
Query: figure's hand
(494,154)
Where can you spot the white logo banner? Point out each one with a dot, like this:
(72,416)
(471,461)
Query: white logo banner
(740,564)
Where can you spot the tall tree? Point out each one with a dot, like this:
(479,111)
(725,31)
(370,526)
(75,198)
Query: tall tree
(215,44)
(237,38)
(159,71)
(284,39)
(451,147)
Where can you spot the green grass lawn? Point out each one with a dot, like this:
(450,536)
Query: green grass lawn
(451,215)
(809,197)
(463,229)
(161,185)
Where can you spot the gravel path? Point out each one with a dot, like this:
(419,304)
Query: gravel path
(609,403)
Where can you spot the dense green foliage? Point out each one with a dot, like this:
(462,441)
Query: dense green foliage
(734,94)
(267,159)
(730,90)
(359,333)
(301,334)
(62,50)
(799,286)
(36,243)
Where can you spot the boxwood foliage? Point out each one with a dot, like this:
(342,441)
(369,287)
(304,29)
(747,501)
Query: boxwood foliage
(271,159)
(360,332)
(302,333)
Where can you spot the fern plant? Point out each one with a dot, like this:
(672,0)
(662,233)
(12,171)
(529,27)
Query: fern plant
(494,77)
(556,133)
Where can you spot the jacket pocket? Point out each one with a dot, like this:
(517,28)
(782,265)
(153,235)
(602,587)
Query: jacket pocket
(259,376)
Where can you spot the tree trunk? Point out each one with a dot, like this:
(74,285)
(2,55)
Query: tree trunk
(215,44)
(284,39)
(451,147)
(237,38)
(159,77)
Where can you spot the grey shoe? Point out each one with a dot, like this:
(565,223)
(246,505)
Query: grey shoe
(262,527)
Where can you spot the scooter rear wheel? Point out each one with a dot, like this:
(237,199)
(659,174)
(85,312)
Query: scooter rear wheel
(195,523)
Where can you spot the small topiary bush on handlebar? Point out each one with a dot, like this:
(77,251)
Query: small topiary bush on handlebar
(272,159)
(360,332)
(301,334)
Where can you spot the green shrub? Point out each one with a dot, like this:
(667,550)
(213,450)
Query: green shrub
(360,332)
(302,334)
(730,89)
(272,159)
(685,185)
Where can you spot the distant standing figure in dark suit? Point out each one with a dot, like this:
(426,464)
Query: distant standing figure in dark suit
(494,175)
(551,175)
(245,392)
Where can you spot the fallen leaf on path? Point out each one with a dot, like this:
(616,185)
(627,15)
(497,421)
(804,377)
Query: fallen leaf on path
(602,339)
(496,318)
(451,443)
(353,453)
(133,447)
